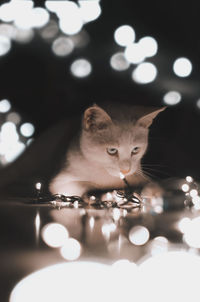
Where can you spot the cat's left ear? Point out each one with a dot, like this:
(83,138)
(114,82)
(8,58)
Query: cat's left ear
(95,118)
(146,120)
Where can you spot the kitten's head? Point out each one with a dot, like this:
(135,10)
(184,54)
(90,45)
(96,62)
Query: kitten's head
(116,140)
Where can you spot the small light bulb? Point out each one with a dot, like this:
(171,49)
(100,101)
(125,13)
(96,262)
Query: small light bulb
(121,175)
(38,185)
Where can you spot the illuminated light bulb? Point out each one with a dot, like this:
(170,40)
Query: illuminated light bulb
(54,235)
(124,35)
(119,62)
(38,185)
(40,16)
(27,129)
(9,11)
(149,46)
(134,53)
(121,175)
(5,45)
(62,46)
(70,20)
(4,106)
(13,117)
(182,67)
(71,250)
(144,73)
(189,179)
(192,233)
(90,10)
(193,193)
(172,98)
(185,187)
(81,68)
(183,224)
(139,235)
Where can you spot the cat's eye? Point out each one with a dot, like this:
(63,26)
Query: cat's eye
(135,150)
(112,151)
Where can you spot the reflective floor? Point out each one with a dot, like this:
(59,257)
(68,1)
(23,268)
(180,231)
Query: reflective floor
(87,240)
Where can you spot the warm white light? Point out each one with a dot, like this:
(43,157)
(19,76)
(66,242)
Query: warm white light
(119,62)
(7,30)
(196,202)
(62,46)
(36,17)
(139,235)
(40,17)
(10,148)
(55,235)
(182,67)
(185,187)
(192,233)
(5,45)
(90,10)
(9,133)
(116,214)
(121,175)
(159,245)
(172,98)
(13,117)
(193,193)
(71,250)
(70,18)
(23,35)
(27,129)
(189,179)
(4,106)
(124,35)
(134,53)
(183,224)
(149,46)
(144,73)
(124,267)
(91,222)
(81,68)
(38,185)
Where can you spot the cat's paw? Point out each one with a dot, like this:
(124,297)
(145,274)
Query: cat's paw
(152,190)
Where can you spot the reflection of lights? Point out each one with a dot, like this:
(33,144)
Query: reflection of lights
(124,35)
(37,226)
(71,250)
(138,235)
(5,106)
(27,129)
(54,234)
(159,245)
(116,214)
(81,68)
(185,187)
(182,67)
(144,73)
(193,193)
(183,224)
(90,10)
(91,222)
(119,62)
(107,228)
(192,233)
(13,117)
(70,18)
(149,46)
(134,53)
(172,98)
(189,179)
(62,46)
(5,45)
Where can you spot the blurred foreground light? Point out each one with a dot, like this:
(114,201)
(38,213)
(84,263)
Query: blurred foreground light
(81,68)
(71,250)
(189,179)
(54,234)
(134,53)
(159,245)
(124,35)
(27,129)
(192,233)
(149,46)
(172,98)
(36,17)
(5,45)
(185,187)
(183,224)
(23,35)
(7,30)
(13,117)
(50,30)
(67,282)
(139,235)
(144,73)
(40,17)
(4,106)
(62,46)
(182,67)
(90,10)
(119,62)
(70,18)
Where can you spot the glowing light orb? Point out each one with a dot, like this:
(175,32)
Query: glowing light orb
(4,106)
(189,179)
(23,35)
(139,235)
(70,18)
(124,35)
(183,224)
(13,117)
(62,46)
(54,234)
(90,10)
(144,73)
(119,62)
(81,68)
(27,129)
(193,193)
(172,98)
(159,245)
(185,187)
(50,30)
(149,46)
(134,53)
(192,233)
(182,67)
(5,45)
(71,250)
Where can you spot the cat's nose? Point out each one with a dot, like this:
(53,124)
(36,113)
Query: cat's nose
(123,171)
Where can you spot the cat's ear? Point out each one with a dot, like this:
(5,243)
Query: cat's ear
(95,118)
(146,120)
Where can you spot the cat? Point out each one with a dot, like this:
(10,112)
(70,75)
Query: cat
(87,154)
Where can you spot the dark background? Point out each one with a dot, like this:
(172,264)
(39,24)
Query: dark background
(41,87)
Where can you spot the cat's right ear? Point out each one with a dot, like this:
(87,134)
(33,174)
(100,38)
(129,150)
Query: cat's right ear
(95,118)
